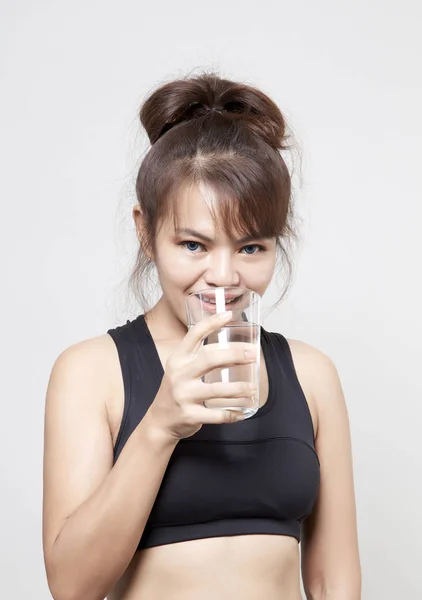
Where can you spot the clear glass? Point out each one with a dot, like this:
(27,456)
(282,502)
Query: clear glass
(244,326)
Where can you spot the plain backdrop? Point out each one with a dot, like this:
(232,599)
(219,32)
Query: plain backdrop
(348,77)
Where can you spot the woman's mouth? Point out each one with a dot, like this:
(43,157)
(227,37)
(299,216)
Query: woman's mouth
(211,302)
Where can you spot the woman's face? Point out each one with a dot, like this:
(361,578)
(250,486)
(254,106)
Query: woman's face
(200,255)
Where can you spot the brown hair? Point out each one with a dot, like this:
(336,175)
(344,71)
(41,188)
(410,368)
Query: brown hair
(228,136)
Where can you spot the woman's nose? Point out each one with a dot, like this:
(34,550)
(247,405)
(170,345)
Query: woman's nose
(221,271)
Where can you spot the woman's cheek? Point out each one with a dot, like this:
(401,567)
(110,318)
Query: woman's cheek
(176,265)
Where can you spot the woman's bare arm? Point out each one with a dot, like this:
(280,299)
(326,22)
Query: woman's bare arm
(330,553)
(93,513)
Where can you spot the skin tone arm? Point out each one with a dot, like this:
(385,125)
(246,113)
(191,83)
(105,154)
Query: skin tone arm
(330,556)
(93,514)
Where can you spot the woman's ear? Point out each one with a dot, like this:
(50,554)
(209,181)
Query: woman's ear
(141,228)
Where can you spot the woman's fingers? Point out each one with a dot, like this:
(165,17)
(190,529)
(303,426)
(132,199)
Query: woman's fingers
(198,332)
(199,391)
(217,417)
(213,357)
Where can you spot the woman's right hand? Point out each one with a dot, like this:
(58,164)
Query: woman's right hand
(178,407)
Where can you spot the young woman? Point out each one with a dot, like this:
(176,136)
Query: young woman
(148,495)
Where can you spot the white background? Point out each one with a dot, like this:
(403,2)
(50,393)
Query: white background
(348,77)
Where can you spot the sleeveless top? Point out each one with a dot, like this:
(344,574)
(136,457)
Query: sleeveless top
(258,476)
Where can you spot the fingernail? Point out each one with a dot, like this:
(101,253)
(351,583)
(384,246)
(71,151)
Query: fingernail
(250,354)
(225,314)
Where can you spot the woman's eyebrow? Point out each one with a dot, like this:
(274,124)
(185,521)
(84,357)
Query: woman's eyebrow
(205,238)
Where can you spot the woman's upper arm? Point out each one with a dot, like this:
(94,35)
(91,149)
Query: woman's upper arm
(78,450)
(330,555)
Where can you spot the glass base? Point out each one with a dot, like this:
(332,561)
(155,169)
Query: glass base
(248,412)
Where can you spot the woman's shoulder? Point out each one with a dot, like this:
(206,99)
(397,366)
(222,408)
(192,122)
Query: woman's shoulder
(305,357)
(318,374)
(90,365)
(87,354)
(305,351)
(315,371)
(314,361)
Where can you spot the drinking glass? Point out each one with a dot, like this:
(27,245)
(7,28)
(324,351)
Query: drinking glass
(244,326)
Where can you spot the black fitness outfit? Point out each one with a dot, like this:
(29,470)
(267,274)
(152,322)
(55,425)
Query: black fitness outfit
(258,476)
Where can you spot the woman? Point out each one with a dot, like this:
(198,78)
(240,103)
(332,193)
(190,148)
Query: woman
(147,493)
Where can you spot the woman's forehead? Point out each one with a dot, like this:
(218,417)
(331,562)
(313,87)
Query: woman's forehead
(199,199)
(200,207)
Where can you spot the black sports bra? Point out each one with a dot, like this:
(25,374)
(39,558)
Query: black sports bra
(258,476)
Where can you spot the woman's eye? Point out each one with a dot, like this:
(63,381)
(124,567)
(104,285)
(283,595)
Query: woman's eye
(249,249)
(192,246)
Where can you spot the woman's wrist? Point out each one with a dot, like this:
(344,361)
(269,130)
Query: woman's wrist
(157,436)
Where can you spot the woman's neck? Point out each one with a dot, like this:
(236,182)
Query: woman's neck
(163,324)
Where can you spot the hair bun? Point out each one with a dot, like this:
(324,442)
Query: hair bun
(208,95)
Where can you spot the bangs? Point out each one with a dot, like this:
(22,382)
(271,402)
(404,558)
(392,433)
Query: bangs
(243,196)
